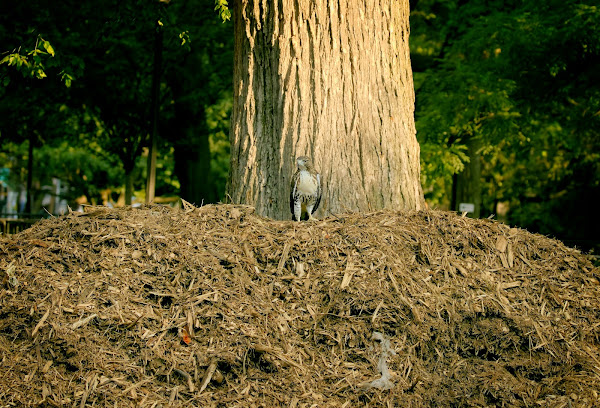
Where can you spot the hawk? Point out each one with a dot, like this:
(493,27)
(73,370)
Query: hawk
(305,195)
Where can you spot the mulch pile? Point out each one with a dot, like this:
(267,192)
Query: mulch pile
(218,307)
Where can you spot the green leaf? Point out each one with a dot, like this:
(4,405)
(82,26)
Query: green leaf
(39,73)
(184,37)
(48,47)
(66,78)
(20,61)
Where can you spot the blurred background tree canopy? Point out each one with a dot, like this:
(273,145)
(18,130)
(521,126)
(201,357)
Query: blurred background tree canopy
(519,81)
(76,82)
(507,104)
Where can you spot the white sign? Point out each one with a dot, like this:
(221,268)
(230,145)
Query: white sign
(466,207)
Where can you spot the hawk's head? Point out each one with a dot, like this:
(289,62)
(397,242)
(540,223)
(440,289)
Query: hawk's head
(304,162)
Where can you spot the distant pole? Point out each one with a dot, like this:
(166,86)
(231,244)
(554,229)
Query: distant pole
(151,166)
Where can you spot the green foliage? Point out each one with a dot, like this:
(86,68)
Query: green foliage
(30,63)
(34,63)
(222,7)
(85,168)
(217,117)
(522,77)
(95,96)
(198,79)
(185,38)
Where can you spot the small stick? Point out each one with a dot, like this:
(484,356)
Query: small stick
(41,322)
(83,322)
(208,375)
(134,386)
(284,256)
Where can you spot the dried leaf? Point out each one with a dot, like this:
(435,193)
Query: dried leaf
(185,335)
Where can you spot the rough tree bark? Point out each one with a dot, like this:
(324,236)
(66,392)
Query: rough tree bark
(331,80)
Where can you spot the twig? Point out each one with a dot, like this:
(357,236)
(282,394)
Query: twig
(208,375)
(278,354)
(83,322)
(41,322)
(131,387)
(284,256)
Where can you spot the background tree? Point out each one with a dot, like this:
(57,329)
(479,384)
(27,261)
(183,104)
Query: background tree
(519,78)
(75,36)
(121,69)
(103,51)
(198,78)
(330,80)
(28,103)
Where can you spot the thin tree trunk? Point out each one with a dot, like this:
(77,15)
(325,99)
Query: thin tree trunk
(128,186)
(188,128)
(151,165)
(29,202)
(192,154)
(466,185)
(331,80)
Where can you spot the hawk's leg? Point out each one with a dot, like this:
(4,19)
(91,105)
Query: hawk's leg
(309,210)
(297,210)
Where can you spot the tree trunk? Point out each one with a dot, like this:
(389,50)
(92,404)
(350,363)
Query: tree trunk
(128,185)
(189,130)
(29,202)
(155,92)
(192,166)
(466,185)
(192,154)
(331,80)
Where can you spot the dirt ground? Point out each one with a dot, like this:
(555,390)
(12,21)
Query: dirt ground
(218,307)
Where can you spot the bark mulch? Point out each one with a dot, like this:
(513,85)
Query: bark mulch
(218,307)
